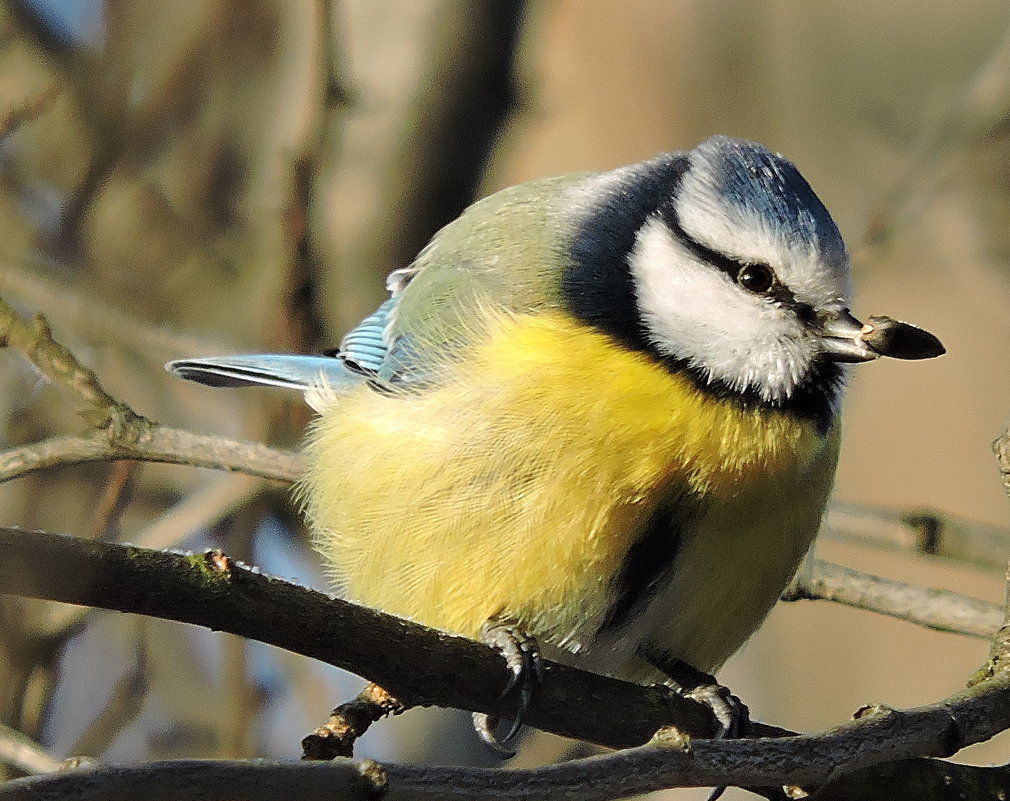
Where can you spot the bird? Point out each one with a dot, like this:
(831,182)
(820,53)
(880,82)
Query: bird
(597,417)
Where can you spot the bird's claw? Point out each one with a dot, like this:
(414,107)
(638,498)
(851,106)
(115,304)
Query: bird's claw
(730,712)
(526,672)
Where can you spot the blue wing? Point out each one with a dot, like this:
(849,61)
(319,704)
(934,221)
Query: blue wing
(365,346)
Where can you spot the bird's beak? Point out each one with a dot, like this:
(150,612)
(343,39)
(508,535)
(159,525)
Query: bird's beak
(845,339)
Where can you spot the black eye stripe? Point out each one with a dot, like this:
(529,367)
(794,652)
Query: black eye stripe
(778,291)
(723,263)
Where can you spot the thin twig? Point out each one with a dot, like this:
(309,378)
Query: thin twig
(118,432)
(35,340)
(112,501)
(348,722)
(941,610)
(153,443)
(123,704)
(202,509)
(21,752)
(973,114)
(27,111)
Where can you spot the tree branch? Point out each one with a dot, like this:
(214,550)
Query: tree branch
(1001,449)
(807,760)
(23,753)
(941,610)
(150,442)
(118,432)
(418,665)
(215,781)
(421,666)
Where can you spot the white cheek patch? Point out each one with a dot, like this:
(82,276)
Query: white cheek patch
(695,312)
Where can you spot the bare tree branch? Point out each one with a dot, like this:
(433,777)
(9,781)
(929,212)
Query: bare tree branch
(941,610)
(421,666)
(151,442)
(202,509)
(973,114)
(806,760)
(999,651)
(35,340)
(216,780)
(118,431)
(418,665)
(123,704)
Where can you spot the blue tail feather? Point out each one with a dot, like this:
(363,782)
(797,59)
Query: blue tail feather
(277,370)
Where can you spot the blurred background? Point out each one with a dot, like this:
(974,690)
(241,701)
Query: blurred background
(205,176)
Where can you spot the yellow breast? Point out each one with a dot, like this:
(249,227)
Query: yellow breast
(516,485)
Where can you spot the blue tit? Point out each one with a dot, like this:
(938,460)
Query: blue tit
(600,408)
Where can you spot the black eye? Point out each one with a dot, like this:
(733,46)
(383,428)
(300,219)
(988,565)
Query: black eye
(756,278)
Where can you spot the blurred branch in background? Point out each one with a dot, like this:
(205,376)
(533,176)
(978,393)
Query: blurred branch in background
(93,320)
(20,752)
(433,87)
(923,532)
(150,177)
(973,115)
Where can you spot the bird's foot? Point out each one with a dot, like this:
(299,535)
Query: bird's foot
(522,656)
(731,714)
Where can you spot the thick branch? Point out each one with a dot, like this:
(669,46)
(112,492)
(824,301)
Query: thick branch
(208,781)
(806,760)
(419,666)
